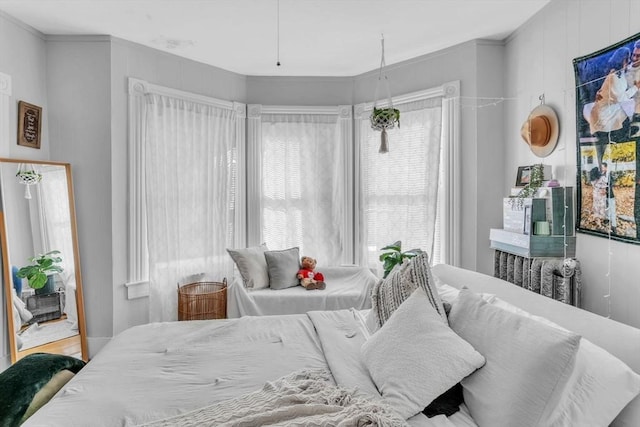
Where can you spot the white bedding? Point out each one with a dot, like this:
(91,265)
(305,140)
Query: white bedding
(347,286)
(159,370)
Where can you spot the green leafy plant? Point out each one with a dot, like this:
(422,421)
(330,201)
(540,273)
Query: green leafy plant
(394,256)
(43,266)
(531,188)
(386,115)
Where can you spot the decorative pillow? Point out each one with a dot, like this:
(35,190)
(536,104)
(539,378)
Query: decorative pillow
(252,266)
(389,293)
(599,386)
(415,357)
(419,273)
(527,362)
(283,267)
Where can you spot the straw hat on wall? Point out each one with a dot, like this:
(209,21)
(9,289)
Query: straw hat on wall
(540,130)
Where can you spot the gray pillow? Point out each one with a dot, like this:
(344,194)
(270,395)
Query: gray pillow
(283,266)
(252,266)
(528,363)
(389,293)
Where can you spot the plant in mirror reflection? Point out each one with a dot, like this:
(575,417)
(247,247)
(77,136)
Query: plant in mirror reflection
(42,266)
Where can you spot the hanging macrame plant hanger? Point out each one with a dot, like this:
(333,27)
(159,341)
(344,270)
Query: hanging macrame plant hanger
(28,176)
(387,117)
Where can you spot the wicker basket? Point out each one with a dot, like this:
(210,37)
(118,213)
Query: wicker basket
(202,300)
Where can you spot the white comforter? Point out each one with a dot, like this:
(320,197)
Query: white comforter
(347,286)
(159,370)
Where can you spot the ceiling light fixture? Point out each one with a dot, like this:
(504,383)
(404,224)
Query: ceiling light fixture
(278,33)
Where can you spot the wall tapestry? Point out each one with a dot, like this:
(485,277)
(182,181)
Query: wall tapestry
(608,141)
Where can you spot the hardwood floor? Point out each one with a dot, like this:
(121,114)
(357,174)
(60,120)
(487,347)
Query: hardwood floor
(68,346)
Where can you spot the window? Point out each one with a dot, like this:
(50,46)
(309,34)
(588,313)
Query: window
(185,207)
(300,190)
(408,193)
(314,179)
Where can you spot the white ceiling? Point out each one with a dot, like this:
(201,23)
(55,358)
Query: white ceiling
(317,37)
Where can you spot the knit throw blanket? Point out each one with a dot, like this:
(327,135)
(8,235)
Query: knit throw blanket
(302,398)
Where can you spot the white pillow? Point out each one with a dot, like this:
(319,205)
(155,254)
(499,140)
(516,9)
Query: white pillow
(599,386)
(415,357)
(528,363)
(448,293)
(252,266)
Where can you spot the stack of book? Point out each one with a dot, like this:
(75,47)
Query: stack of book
(551,207)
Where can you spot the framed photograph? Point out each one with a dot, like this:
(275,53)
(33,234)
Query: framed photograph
(524,176)
(29,124)
(608,141)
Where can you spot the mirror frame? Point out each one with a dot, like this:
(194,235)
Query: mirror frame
(7,276)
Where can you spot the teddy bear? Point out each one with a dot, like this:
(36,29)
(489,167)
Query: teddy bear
(309,278)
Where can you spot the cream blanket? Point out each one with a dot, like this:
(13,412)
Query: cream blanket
(302,398)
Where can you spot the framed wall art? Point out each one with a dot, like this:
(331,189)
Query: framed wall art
(29,124)
(608,141)
(524,176)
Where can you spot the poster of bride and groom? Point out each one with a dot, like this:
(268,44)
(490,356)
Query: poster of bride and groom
(608,138)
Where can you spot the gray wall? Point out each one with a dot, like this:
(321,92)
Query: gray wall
(22,56)
(539,60)
(299,90)
(78,89)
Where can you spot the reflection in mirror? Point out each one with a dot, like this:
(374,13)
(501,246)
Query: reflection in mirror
(40,264)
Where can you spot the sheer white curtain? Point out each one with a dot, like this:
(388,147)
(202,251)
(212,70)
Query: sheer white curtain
(398,191)
(52,198)
(190,157)
(301,182)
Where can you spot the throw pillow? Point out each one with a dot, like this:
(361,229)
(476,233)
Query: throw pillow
(419,273)
(252,266)
(519,352)
(415,357)
(390,292)
(283,267)
(599,386)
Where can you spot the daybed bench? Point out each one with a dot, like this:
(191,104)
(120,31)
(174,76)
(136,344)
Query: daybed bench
(267,284)
(346,287)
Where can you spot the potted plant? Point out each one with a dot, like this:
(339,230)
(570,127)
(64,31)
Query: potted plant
(30,176)
(385,118)
(394,256)
(40,273)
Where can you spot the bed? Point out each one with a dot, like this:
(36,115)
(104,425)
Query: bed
(169,373)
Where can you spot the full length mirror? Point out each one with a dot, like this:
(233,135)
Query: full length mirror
(41,270)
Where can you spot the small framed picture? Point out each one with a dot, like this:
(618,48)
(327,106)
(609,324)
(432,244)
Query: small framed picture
(524,176)
(29,124)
